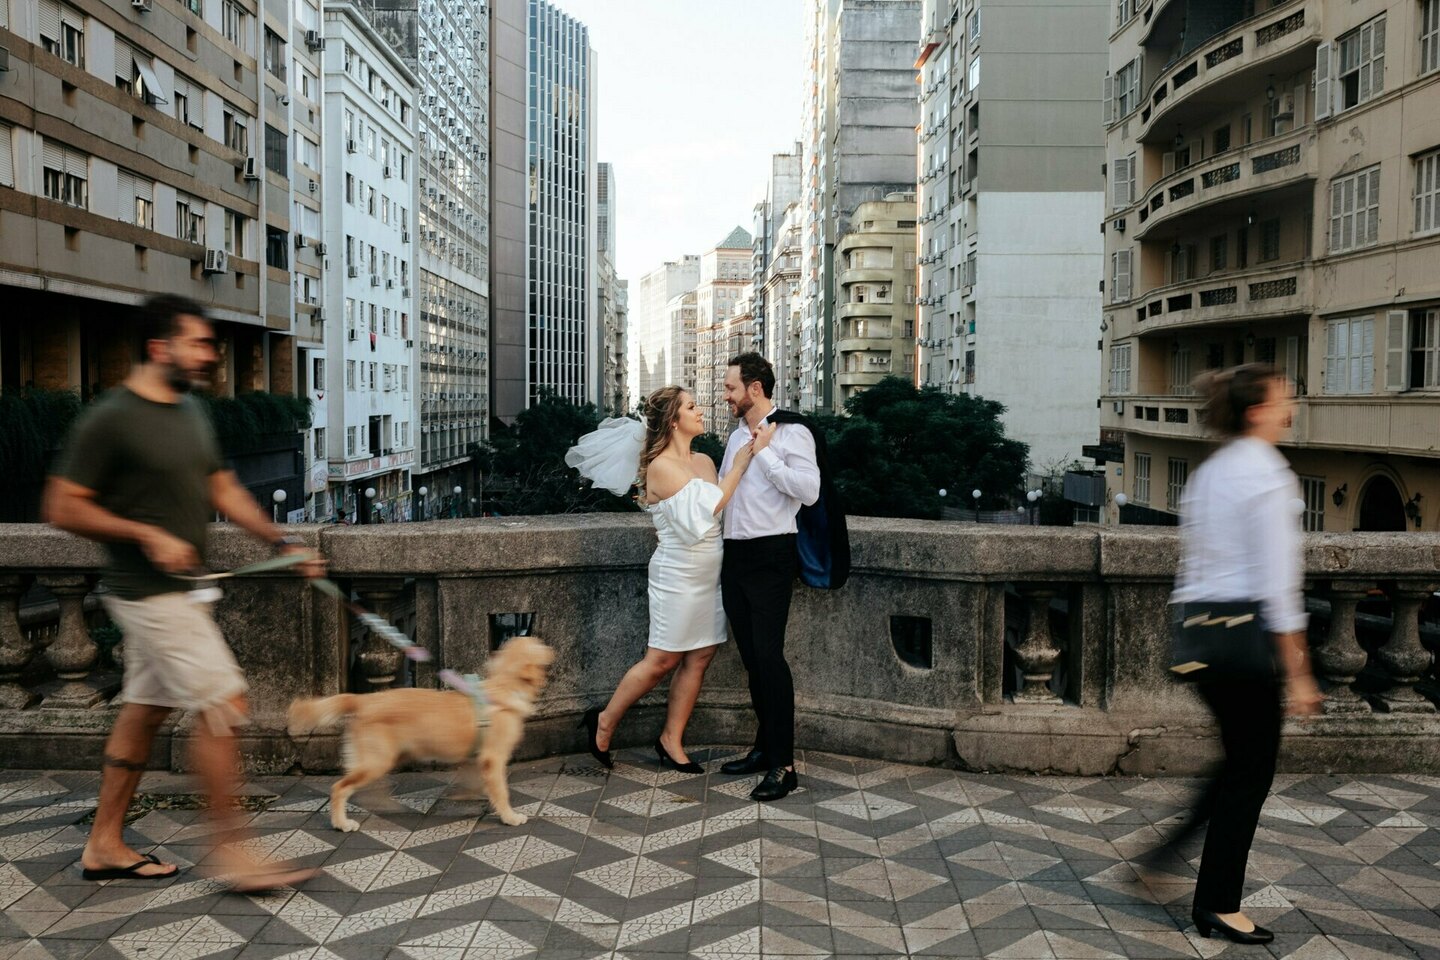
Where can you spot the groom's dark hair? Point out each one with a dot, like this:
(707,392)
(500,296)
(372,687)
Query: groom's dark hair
(755,369)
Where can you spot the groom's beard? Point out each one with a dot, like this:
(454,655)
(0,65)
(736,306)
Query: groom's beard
(740,408)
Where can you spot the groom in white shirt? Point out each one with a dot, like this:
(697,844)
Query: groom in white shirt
(760,563)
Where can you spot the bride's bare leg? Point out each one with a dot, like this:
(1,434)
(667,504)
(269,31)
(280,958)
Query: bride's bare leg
(684,691)
(638,681)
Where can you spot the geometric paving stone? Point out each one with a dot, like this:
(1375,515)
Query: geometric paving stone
(868,859)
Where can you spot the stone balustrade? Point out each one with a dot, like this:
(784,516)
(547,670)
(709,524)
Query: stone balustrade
(1026,648)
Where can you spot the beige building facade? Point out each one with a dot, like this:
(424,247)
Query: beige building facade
(875,312)
(724,278)
(1274,195)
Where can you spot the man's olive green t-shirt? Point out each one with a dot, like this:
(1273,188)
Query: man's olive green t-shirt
(148,462)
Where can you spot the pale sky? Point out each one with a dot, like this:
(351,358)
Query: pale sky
(693,96)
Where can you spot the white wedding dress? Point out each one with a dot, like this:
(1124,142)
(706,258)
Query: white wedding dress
(685,609)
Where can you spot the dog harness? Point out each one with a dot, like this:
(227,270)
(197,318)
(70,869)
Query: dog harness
(469,684)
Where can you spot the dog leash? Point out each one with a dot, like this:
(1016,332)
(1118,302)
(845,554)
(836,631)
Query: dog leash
(468,684)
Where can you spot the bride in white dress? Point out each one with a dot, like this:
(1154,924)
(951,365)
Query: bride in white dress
(683,495)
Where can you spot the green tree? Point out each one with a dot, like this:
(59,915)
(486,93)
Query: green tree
(711,445)
(524,464)
(33,423)
(899,446)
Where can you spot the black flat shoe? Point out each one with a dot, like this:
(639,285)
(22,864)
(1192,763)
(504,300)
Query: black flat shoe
(777,783)
(591,722)
(1207,922)
(665,758)
(752,762)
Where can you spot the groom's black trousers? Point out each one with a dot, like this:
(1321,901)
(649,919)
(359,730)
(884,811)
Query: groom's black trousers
(756,579)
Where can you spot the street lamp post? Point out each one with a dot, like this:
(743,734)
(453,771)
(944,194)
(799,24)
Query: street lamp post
(457,491)
(975,495)
(1034,497)
(420,507)
(278,497)
(369,504)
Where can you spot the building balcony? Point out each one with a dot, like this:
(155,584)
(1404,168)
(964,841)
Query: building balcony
(846,311)
(862,378)
(1228,67)
(856,344)
(851,275)
(1176,417)
(1229,180)
(1271,292)
(1393,423)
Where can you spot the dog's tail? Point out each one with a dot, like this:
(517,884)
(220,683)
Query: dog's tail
(308,716)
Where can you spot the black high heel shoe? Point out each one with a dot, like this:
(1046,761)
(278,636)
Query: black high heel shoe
(591,722)
(691,767)
(1207,921)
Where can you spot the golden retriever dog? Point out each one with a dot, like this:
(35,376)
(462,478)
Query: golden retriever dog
(389,726)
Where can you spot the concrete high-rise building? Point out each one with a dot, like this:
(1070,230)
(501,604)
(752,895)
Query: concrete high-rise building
(565,336)
(783,307)
(446,46)
(875,265)
(659,345)
(1274,195)
(681,354)
(858,136)
(370,414)
(1008,251)
(148,148)
(509,214)
(781,190)
(612,299)
(724,277)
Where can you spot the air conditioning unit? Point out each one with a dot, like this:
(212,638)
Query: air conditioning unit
(409,344)
(142,5)
(387,171)
(317,316)
(252,168)
(314,186)
(353,271)
(313,40)
(1119,406)
(1285,106)
(352,334)
(320,249)
(374,279)
(216,261)
(404,236)
(300,241)
(350,145)
(1119,224)
(389,283)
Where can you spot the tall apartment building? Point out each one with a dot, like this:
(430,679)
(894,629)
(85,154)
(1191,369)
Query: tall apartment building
(858,137)
(680,315)
(446,46)
(370,410)
(146,147)
(1009,307)
(781,190)
(780,289)
(876,312)
(565,337)
(724,277)
(509,215)
(660,346)
(1274,179)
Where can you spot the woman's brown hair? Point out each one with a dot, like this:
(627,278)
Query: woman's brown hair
(1229,395)
(661,410)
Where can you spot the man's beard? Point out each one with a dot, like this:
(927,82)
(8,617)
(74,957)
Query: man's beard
(182,382)
(742,407)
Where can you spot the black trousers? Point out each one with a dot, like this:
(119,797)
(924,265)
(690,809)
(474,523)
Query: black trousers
(1250,716)
(756,579)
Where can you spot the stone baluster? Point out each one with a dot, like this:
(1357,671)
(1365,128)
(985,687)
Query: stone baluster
(16,649)
(72,653)
(379,661)
(1339,659)
(1403,656)
(1037,652)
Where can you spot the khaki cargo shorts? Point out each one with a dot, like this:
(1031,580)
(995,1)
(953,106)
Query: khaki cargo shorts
(176,657)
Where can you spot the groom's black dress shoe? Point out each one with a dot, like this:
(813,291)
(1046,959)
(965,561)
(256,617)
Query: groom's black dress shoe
(777,783)
(752,762)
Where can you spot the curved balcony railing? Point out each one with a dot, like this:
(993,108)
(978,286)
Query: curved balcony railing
(1238,56)
(1265,292)
(1267,165)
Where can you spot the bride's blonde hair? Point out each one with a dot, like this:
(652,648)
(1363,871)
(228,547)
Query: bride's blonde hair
(661,410)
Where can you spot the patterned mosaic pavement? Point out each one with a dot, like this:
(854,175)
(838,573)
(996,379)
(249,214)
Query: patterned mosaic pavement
(866,860)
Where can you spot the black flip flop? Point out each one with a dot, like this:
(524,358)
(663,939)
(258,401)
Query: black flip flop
(128,873)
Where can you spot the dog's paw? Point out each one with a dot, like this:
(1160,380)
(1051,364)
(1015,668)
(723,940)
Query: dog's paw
(346,826)
(513,819)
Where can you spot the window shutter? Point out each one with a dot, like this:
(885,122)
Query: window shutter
(125,195)
(50,19)
(1377,55)
(1324,101)
(1292,359)
(1167,164)
(1334,368)
(124,60)
(1108,109)
(1122,274)
(1396,339)
(1366,335)
(77,164)
(1118,181)
(52,156)
(1130,177)
(1371,204)
(7,158)
(1299,119)
(1367,47)
(71,17)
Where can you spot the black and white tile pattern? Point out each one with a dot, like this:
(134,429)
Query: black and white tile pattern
(866,860)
